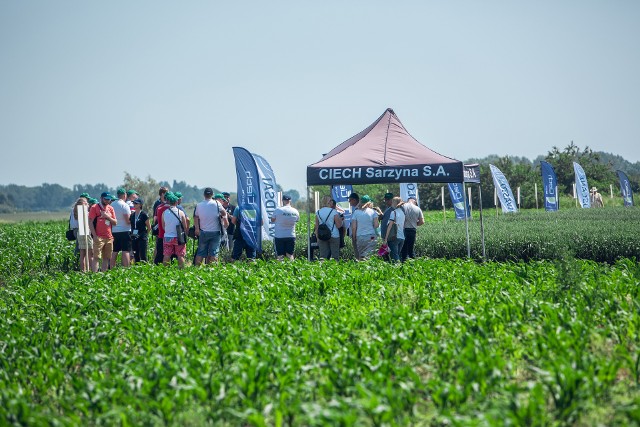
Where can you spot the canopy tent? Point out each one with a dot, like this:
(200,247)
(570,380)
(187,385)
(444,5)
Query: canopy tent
(382,153)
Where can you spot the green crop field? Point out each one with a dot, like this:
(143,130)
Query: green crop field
(550,338)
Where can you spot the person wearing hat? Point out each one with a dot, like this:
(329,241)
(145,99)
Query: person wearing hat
(210,222)
(364,222)
(285,219)
(101,218)
(131,196)
(172,217)
(384,221)
(158,252)
(140,228)
(121,238)
(596,198)
(226,203)
(84,244)
(329,215)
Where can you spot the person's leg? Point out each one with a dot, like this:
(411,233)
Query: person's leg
(400,245)
(290,247)
(394,254)
(214,248)
(107,252)
(409,242)
(280,249)
(142,250)
(203,247)
(238,247)
(334,248)
(159,256)
(324,249)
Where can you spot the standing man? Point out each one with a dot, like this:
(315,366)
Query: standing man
(285,219)
(121,230)
(101,218)
(384,222)
(171,218)
(208,220)
(226,203)
(131,196)
(413,219)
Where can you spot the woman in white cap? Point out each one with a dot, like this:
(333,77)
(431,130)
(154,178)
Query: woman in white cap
(596,198)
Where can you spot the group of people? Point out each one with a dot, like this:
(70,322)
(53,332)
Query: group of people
(120,225)
(396,226)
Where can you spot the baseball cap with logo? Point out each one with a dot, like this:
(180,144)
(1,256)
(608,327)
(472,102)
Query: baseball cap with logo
(107,195)
(208,191)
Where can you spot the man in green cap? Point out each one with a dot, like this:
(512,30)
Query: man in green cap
(131,196)
(172,217)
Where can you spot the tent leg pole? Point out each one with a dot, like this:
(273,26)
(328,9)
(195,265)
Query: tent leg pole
(308,224)
(466,219)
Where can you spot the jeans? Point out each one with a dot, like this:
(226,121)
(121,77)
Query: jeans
(408,250)
(238,246)
(208,244)
(395,247)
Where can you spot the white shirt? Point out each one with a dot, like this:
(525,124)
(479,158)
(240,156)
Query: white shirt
(170,221)
(398,217)
(208,213)
(123,212)
(286,219)
(330,221)
(364,220)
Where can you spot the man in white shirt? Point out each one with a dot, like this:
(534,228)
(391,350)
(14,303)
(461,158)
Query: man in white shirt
(209,218)
(285,219)
(121,237)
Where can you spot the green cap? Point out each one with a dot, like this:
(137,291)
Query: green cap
(218,196)
(92,201)
(171,197)
(365,199)
(85,195)
(178,194)
(131,192)
(388,196)
(120,191)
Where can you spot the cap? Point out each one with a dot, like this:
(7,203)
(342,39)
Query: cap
(178,194)
(131,192)
(138,202)
(226,194)
(218,196)
(388,196)
(85,195)
(171,197)
(93,201)
(354,196)
(107,195)
(208,191)
(594,189)
(365,198)
(285,197)
(120,191)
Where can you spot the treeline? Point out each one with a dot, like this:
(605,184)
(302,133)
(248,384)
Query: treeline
(521,172)
(54,197)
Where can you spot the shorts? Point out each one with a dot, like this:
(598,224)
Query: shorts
(102,247)
(170,247)
(84,243)
(285,245)
(121,242)
(208,244)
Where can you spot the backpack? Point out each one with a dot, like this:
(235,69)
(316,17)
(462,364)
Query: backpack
(393,233)
(324,232)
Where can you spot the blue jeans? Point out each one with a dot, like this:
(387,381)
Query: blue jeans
(208,244)
(395,247)
(238,246)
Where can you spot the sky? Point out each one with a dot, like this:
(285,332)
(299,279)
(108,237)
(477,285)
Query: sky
(89,90)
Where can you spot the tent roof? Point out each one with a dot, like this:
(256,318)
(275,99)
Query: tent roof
(383,152)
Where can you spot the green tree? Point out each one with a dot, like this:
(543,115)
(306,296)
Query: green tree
(598,174)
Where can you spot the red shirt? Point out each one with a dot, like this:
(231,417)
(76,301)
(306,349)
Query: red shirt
(163,207)
(102,229)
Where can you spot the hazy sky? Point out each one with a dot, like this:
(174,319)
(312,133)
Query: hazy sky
(89,90)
